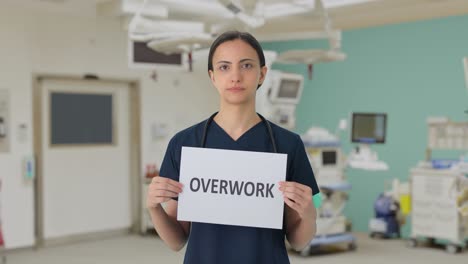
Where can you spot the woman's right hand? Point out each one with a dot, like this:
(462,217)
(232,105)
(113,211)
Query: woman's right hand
(161,190)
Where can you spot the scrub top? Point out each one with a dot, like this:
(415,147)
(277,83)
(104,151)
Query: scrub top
(215,243)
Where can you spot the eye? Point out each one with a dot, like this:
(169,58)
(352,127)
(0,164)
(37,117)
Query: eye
(247,65)
(223,67)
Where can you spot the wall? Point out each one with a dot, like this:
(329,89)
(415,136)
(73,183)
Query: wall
(34,43)
(410,71)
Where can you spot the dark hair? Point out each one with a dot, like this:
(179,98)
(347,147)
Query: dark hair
(233,35)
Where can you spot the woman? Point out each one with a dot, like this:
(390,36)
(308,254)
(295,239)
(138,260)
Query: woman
(236,66)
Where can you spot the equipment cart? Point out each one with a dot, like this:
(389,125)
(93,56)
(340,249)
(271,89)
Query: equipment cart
(332,225)
(439,189)
(436,212)
(329,164)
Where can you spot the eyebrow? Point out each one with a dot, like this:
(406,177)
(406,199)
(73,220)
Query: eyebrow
(243,60)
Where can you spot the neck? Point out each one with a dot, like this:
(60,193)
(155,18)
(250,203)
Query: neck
(236,120)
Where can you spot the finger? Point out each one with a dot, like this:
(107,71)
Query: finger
(292,189)
(161,193)
(156,201)
(297,199)
(164,193)
(160,179)
(299,186)
(162,200)
(166,186)
(303,187)
(291,204)
(299,195)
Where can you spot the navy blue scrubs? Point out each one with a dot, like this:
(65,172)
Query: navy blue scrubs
(213,243)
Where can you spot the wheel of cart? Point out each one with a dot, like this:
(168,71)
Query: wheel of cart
(309,250)
(352,246)
(378,235)
(431,241)
(412,242)
(317,242)
(452,248)
(305,251)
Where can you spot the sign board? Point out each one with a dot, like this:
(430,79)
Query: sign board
(232,187)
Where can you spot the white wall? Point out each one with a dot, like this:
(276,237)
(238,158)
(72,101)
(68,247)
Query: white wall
(33,43)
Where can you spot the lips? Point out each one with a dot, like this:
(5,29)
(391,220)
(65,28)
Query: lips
(235,89)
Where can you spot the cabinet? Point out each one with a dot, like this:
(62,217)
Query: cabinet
(440,190)
(435,210)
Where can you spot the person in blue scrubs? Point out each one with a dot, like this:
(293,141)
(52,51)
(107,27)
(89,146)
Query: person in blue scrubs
(236,67)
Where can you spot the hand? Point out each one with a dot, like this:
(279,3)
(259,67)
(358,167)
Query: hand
(297,196)
(161,190)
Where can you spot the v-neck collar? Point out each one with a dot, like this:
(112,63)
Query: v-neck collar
(249,131)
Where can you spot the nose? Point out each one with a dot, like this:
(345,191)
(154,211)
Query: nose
(236,75)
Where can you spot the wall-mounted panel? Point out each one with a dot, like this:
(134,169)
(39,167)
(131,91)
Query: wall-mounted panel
(4,121)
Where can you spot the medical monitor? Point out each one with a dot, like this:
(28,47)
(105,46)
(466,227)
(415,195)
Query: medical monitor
(329,157)
(140,56)
(286,88)
(369,128)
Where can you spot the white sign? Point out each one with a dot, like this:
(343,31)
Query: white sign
(231,187)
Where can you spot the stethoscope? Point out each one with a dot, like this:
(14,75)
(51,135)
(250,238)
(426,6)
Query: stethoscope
(267,124)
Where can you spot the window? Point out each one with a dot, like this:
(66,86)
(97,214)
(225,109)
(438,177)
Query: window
(80,118)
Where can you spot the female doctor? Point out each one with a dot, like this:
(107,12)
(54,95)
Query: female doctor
(236,67)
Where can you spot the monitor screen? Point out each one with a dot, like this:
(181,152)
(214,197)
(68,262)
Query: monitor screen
(328,157)
(140,56)
(289,89)
(369,128)
(143,54)
(286,88)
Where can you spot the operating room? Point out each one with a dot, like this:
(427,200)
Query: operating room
(92,92)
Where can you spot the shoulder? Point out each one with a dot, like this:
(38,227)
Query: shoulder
(190,136)
(287,141)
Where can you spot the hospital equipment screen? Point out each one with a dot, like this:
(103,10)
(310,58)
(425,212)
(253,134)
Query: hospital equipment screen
(289,89)
(369,128)
(328,158)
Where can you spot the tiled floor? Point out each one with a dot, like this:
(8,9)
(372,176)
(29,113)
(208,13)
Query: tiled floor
(151,250)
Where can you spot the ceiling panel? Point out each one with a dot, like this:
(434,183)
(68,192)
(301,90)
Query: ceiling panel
(362,14)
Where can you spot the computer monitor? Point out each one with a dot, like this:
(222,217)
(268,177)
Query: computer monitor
(286,88)
(369,128)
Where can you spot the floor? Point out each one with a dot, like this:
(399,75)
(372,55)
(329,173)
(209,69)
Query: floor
(150,250)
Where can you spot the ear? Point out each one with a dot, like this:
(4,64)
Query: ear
(211,74)
(263,73)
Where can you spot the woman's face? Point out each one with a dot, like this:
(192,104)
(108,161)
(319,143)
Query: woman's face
(236,72)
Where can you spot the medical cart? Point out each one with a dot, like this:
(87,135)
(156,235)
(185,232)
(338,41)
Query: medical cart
(333,227)
(386,223)
(390,210)
(440,192)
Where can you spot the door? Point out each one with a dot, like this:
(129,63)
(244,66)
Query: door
(84,180)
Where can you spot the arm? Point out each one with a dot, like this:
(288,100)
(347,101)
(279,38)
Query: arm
(300,214)
(174,233)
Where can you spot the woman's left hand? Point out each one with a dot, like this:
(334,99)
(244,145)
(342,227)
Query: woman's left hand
(297,196)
